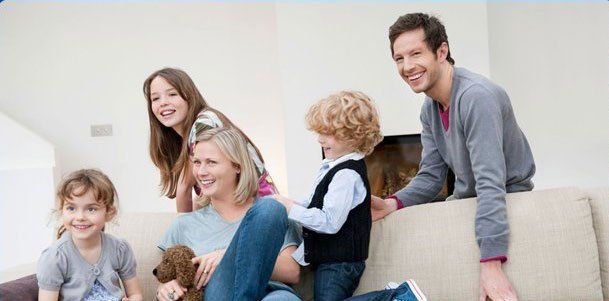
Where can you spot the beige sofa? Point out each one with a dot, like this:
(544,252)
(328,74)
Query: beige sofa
(559,247)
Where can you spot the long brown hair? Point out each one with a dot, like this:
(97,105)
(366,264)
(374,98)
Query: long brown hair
(168,150)
(78,183)
(166,146)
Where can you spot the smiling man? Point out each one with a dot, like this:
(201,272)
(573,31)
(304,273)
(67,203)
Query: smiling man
(468,126)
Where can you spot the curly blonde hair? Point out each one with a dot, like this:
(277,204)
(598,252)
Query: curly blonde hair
(350,116)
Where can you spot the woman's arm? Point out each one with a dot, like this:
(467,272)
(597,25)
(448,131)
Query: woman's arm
(45,295)
(184,202)
(286,269)
(133,290)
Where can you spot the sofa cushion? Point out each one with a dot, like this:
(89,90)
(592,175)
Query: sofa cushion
(22,289)
(143,231)
(599,202)
(552,255)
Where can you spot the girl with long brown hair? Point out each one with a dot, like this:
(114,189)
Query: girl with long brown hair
(177,112)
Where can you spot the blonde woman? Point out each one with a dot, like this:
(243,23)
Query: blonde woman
(243,243)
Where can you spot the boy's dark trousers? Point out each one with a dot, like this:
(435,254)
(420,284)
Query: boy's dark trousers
(338,280)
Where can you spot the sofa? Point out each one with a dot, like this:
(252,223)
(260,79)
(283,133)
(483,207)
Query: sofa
(559,247)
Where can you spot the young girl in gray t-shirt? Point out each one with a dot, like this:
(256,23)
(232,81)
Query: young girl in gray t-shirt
(85,263)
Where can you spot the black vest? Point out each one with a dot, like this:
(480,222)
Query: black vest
(351,242)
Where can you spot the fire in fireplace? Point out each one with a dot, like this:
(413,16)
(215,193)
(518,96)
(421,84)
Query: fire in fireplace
(395,162)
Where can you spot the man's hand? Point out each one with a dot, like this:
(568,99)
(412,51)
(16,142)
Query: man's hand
(381,208)
(494,284)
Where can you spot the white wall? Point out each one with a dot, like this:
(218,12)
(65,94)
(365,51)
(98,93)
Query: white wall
(553,59)
(327,47)
(76,64)
(26,183)
(21,148)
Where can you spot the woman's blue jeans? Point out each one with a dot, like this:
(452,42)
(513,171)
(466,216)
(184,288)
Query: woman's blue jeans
(245,270)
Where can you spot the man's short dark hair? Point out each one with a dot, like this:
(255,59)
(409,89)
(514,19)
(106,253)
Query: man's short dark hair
(435,33)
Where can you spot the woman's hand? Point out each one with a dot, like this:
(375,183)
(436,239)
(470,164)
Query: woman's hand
(207,266)
(171,290)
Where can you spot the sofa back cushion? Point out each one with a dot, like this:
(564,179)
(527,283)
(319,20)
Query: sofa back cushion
(143,231)
(599,202)
(552,255)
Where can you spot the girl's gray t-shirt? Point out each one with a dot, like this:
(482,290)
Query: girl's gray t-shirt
(62,268)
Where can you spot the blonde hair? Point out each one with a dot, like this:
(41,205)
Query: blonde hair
(350,116)
(234,146)
(79,182)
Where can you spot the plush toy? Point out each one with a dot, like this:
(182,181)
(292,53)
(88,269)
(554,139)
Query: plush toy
(177,264)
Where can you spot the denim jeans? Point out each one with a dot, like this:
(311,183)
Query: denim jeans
(338,280)
(277,291)
(401,293)
(245,270)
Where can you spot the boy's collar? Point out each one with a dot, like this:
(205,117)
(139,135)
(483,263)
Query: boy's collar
(350,156)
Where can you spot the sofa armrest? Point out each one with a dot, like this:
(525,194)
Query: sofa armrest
(23,289)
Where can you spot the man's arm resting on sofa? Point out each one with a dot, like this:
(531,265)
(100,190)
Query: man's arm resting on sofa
(494,283)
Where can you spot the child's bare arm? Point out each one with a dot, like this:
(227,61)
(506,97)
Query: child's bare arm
(46,295)
(133,289)
(184,202)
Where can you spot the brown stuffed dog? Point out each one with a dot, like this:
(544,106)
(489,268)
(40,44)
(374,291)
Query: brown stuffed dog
(177,264)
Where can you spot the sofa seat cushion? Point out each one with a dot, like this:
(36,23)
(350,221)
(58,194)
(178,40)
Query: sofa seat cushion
(552,255)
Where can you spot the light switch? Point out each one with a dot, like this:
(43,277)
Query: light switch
(98,130)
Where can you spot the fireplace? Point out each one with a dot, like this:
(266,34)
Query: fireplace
(395,162)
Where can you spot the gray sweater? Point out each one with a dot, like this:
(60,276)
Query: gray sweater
(485,149)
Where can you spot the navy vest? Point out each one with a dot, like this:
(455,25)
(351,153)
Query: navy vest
(350,243)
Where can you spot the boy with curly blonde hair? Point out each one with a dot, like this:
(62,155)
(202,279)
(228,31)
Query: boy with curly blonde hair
(336,216)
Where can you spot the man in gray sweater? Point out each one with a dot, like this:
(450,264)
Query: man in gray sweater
(469,127)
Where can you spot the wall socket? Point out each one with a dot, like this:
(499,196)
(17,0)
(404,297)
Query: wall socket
(98,130)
